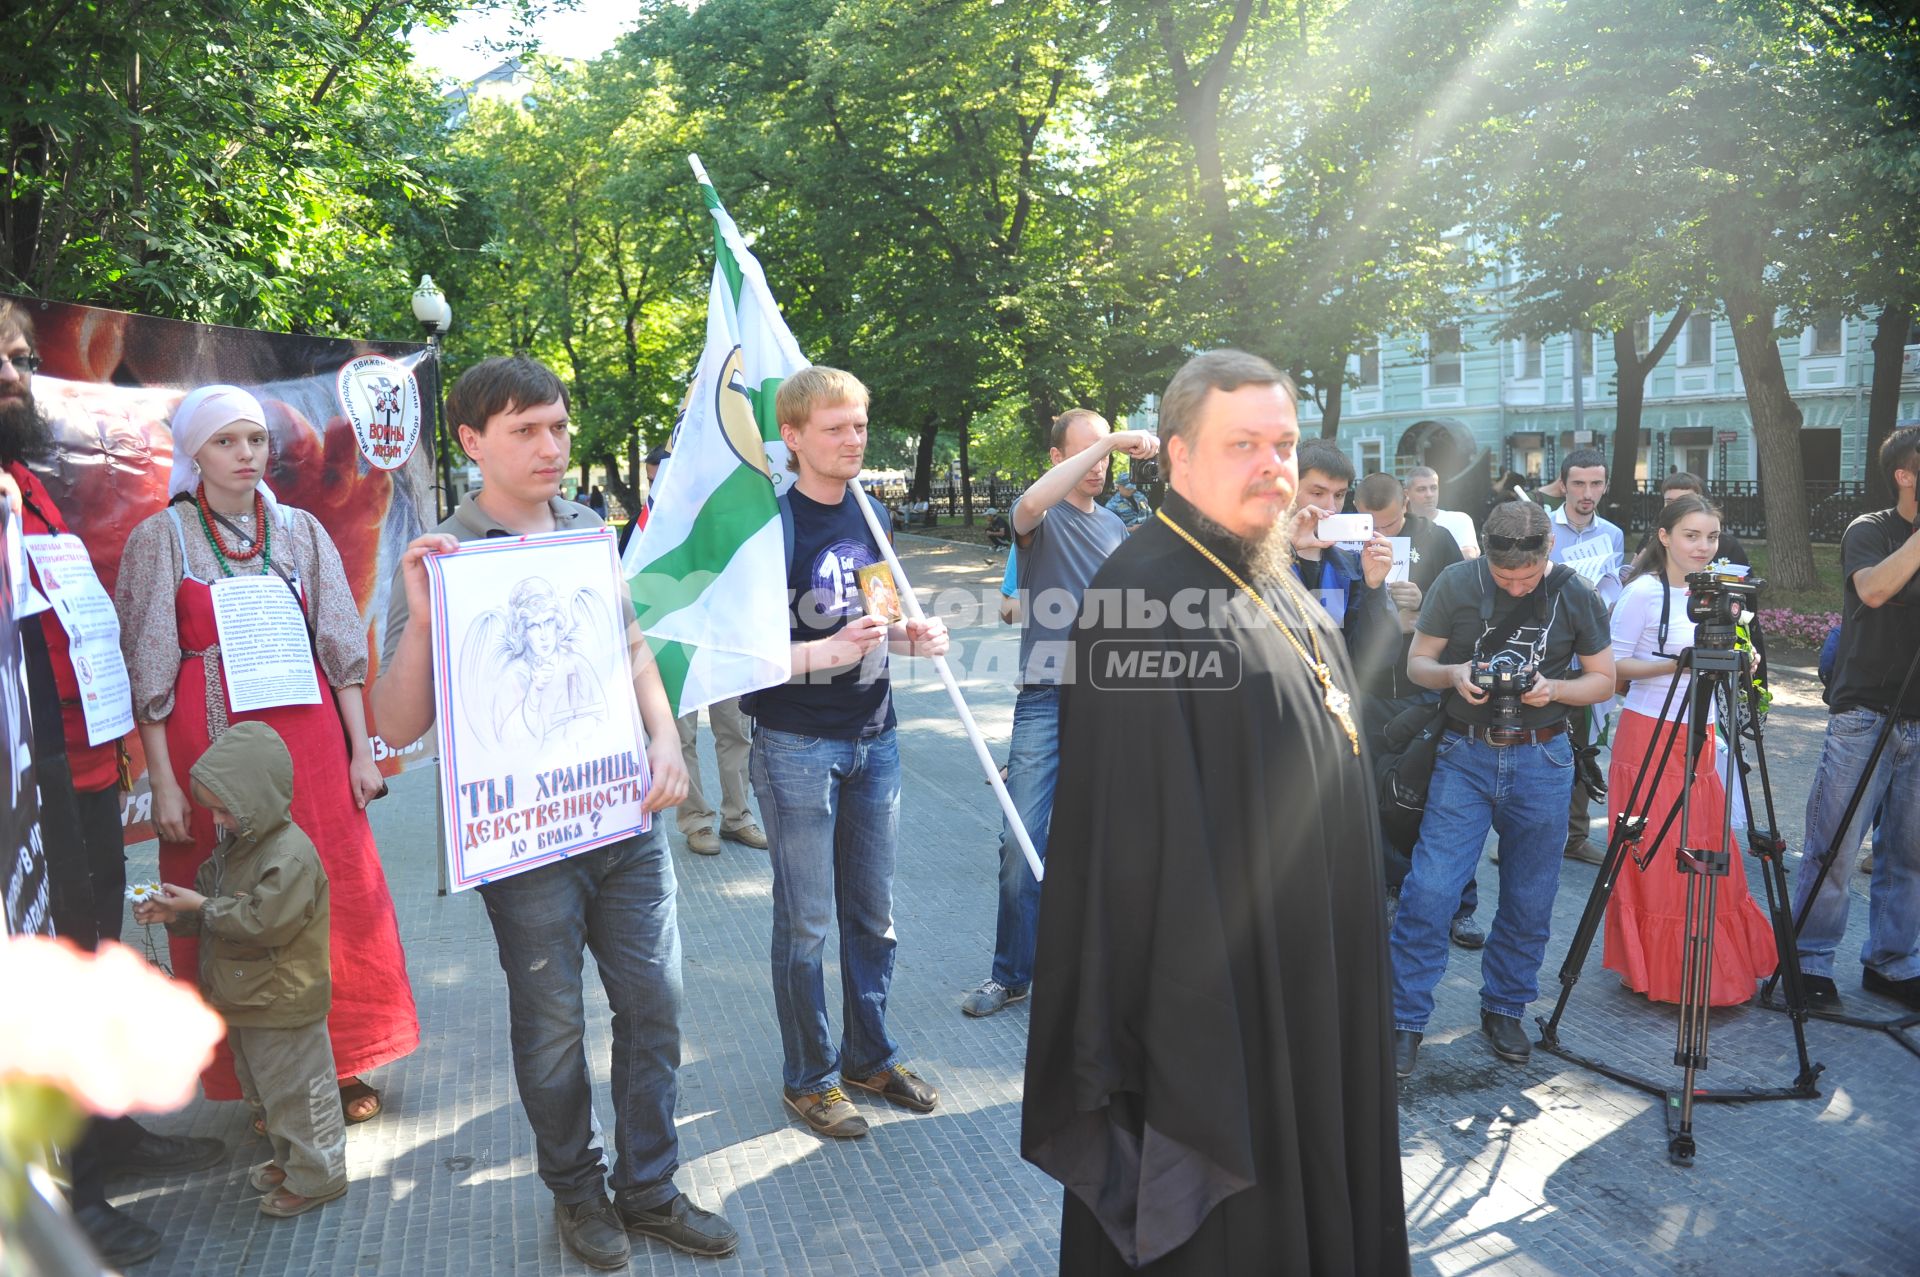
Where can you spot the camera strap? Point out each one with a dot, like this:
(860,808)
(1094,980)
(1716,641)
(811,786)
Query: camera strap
(1542,594)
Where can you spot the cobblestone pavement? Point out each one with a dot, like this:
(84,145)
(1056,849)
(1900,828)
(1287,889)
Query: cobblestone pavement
(1535,1169)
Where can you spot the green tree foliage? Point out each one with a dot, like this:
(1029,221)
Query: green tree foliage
(215,159)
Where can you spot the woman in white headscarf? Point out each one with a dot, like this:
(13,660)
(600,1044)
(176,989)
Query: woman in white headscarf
(223,521)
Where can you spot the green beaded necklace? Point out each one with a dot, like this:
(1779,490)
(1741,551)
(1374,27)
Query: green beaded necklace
(266,535)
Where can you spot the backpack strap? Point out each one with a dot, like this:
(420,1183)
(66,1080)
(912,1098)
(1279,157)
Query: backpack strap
(785,503)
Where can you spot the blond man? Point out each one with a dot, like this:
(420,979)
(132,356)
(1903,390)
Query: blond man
(826,770)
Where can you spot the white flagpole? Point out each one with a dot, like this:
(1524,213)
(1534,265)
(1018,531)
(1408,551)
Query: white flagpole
(911,602)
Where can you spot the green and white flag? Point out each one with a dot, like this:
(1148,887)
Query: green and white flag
(709,572)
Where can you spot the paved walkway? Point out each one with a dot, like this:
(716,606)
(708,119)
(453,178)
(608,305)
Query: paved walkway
(1540,1169)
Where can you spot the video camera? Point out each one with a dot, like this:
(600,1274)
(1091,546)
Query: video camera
(1711,598)
(1504,685)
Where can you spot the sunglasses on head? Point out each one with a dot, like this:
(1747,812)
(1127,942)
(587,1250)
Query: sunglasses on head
(1506,544)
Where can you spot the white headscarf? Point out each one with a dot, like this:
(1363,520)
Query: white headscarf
(203,414)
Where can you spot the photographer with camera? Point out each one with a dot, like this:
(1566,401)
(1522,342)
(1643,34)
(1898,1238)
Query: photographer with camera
(1501,634)
(1669,590)
(1879,635)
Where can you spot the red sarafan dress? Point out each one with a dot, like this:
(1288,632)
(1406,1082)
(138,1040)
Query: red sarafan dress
(168,634)
(1647,916)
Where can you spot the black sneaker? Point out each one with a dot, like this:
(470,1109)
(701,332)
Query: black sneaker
(1508,1038)
(157,1154)
(593,1231)
(117,1237)
(1466,933)
(1406,1052)
(1905,992)
(681,1225)
(1821,992)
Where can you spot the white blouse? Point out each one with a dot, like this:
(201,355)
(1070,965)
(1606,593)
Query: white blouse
(1636,636)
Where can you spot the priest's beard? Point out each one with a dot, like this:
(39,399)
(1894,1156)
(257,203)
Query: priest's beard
(24,434)
(1266,555)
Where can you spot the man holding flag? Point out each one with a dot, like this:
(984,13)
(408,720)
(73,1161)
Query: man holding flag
(748,579)
(826,768)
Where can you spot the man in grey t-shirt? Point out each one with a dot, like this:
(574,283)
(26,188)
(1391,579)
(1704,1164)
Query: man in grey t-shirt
(1064,535)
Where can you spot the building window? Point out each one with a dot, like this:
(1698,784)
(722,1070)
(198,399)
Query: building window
(1527,359)
(1827,336)
(1642,336)
(1696,346)
(1370,365)
(1583,342)
(1443,356)
(1369,456)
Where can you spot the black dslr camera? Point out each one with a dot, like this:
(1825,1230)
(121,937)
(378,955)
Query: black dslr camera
(1712,599)
(1143,470)
(1504,684)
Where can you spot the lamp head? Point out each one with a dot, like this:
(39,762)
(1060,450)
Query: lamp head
(430,306)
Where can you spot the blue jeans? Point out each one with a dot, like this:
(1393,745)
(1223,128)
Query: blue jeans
(1033,765)
(832,811)
(1893,935)
(1520,791)
(619,902)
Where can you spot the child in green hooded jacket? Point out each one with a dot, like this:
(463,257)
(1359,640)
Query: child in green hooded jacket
(260,902)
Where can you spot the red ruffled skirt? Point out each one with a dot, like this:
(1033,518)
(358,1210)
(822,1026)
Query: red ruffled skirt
(1647,916)
(372,1021)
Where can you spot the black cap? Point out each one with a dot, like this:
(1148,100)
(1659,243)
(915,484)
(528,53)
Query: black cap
(658,455)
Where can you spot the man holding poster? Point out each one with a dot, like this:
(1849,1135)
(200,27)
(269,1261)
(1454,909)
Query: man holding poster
(511,417)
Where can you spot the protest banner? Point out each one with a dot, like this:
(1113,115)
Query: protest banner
(539,733)
(24,887)
(345,419)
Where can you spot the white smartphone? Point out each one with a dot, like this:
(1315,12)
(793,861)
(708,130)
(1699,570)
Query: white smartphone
(1345,527)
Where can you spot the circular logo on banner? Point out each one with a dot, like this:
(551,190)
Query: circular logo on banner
(382,401)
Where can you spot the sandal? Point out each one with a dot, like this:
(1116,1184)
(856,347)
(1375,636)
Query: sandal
(284,1205)
(353,1092)
(266,1177)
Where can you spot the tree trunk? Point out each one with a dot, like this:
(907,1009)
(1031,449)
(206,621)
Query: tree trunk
(1776,437)
(1330,410)
(1883,403)
(1630,400)
(627,495)
(923,459)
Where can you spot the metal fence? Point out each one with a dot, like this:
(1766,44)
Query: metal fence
(946,500)
(1831,506)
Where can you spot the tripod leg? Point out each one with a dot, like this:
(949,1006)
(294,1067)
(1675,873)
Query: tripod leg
(1770,849)
(1852,809)
(1627,827)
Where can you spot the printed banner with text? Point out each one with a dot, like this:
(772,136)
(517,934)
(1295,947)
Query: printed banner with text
(351,439)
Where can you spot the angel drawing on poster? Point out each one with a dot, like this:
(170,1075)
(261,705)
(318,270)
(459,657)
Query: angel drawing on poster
(528,669)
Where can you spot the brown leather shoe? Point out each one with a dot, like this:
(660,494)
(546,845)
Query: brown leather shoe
(704,841)
(747,835)
(899,1085)
(828,1113)
(1586,851)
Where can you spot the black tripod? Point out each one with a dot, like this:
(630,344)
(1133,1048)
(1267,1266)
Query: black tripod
(1897,1026)
(1722,677)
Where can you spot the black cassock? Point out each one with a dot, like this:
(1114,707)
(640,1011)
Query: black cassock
(1209,1066)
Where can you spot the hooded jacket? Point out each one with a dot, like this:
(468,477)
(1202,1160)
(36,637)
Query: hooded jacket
(263,952)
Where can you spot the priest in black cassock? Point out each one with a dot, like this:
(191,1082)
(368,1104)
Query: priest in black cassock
(1209,1067)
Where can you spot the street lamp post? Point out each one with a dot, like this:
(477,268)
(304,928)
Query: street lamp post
(435,316)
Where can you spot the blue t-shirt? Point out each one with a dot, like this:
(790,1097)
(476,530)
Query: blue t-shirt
(831,544)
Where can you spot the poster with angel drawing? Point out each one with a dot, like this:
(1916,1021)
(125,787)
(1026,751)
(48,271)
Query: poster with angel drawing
(541,754)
